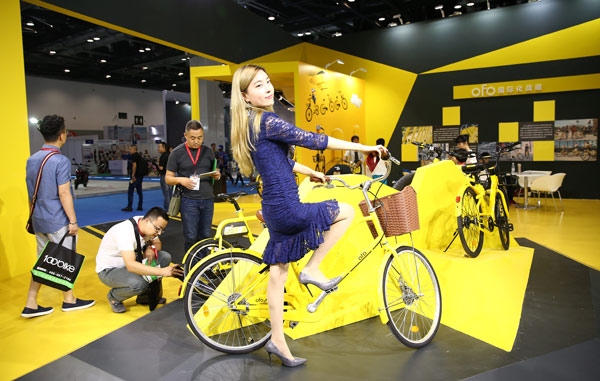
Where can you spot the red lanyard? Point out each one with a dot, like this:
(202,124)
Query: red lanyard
(51,149)
(190,153)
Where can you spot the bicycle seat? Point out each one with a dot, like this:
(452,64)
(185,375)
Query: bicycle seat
(260,216)
(230,197)
(473,168)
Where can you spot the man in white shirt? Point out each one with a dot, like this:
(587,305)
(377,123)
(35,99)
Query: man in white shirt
(116,263)
(355,158)
(462,141)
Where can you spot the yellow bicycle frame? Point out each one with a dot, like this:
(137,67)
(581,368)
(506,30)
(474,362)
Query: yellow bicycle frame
(487,209)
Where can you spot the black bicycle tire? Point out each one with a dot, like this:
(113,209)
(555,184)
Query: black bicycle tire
(459,220)
(502,223)
(438,314)
(189,314)
(187,264)
(404,181)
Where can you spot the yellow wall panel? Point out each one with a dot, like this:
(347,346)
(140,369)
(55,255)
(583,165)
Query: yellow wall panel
(543,150)
(508,132)
(17,247)
(409,152)
(451,116)
(543,111)
(578,41)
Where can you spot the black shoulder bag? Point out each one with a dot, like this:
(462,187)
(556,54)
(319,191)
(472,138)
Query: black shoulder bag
(155,290)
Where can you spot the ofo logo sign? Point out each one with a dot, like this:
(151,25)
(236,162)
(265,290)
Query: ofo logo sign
(484,90)
(60,264)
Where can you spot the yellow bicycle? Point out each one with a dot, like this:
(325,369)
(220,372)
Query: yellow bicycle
(225,295)
(227,229)
(480,205)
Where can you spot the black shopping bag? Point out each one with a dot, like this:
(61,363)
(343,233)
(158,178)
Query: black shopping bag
(58,266)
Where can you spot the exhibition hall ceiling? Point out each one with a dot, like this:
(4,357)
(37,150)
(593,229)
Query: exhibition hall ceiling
(64,47)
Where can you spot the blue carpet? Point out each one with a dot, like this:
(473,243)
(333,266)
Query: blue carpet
(102,209)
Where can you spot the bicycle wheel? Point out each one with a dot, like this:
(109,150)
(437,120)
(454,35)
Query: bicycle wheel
(308,114)
(200,250)
(323,109)
(412,297)
(502,223)
(344,104)
(468,224)
(217,300)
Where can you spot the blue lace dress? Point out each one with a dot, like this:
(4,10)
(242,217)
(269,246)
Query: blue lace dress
(295,228)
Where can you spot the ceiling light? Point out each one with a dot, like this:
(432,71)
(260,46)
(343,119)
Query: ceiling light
(439,7)
(143,81)
(30,24)
(67,71)
(141,51)
(90,40)
(174,85)
(337,34)
(392,24)
(184,59)
(351,1)
(180,74)
(457,6)
(307,33)
(33,120)
(470,4)
(147,49)
(300,34)
(107,75)
(271,18)
(144,67)
(359,69)
(102,61)
(96,38)
(176,102)
(52,52)
(336,61)
(382,19)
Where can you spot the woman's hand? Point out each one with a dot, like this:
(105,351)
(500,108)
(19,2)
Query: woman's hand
(378,150)
(318,177)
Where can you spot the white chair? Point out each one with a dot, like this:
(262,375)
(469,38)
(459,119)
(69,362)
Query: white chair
(549,185)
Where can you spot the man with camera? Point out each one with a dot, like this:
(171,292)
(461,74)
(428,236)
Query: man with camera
(116,262)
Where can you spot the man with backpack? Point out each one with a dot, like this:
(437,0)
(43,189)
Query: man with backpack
(138,171)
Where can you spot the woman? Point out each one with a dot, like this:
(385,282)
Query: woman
(261,139)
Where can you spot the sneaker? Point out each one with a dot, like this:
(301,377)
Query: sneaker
(40,311)
(116,306)
(79,304)
(127,209)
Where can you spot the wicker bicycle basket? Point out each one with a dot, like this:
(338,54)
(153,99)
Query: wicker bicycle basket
(397,213)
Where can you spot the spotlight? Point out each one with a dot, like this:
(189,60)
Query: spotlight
(96,38)
(300,34)
(359,69)
(147,49)
(337,34)
(381,19)
(30,24)
(180,74)
(102,61)
(176,102)
(271,18)
(52,52)
(457,6)
(90,40)
(143,81)
(438,7)
(336,61)
(144,67)
(67,71)
(307,33)
(141,51)
(107,75)
(174,85)
(470,4)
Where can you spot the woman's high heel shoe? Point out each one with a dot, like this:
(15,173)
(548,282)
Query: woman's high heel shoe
(273,350)
(325,286)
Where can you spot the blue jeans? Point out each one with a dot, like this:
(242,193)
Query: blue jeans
(137,184)
(126,284)
(196,216)
(166,191)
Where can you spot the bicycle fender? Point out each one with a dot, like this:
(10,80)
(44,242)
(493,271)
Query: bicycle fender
(186,280)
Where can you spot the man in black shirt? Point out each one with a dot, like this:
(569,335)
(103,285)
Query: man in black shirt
(137,176)
(186,163)
(162,170)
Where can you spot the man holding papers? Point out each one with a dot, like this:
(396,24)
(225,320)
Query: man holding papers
(192,166)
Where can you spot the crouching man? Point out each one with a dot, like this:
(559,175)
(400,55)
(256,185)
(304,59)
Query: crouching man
(116,263)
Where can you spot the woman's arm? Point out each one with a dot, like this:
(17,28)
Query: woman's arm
(333,143)
(303,169)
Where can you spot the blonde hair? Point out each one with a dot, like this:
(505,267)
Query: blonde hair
(241,142)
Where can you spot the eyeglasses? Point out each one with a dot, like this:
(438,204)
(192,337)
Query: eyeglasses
(158,230)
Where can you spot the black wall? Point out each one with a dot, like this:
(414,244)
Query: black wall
(432,92)
(177,116)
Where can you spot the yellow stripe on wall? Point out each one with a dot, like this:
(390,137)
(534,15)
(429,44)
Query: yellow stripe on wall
(578,41)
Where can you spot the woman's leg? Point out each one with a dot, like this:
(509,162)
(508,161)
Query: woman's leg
(277,277)
(337,230)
